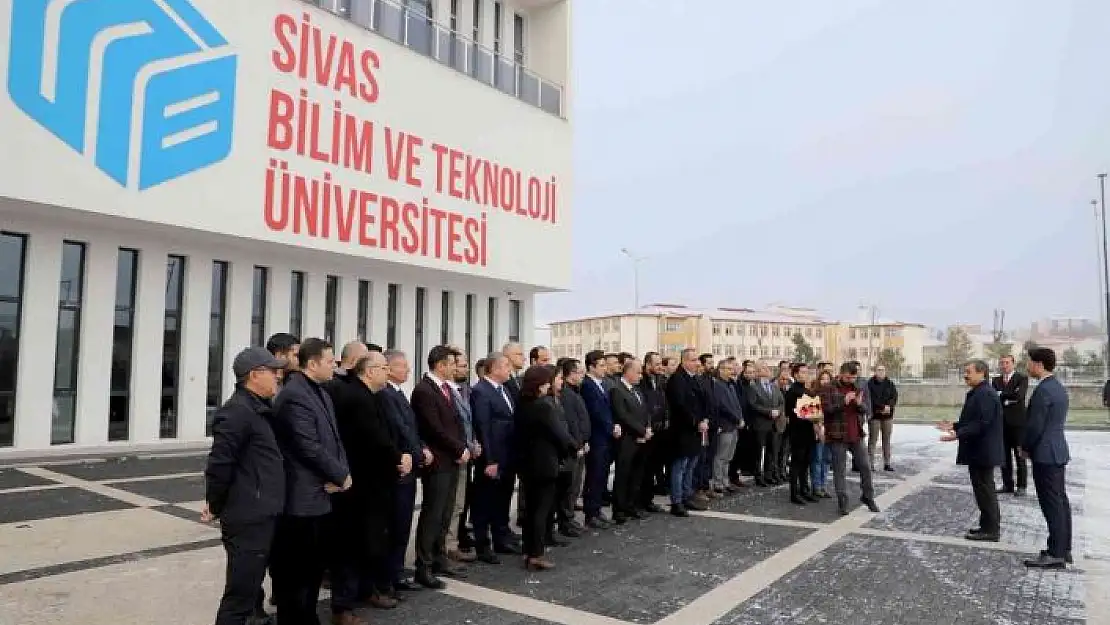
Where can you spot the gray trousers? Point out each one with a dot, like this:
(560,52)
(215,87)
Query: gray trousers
(840,451)
(883,427)
(577,474)
(726,447)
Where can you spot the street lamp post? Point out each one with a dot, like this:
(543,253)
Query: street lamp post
(1105,269)
(1101,264)
(872,312)
(636,260)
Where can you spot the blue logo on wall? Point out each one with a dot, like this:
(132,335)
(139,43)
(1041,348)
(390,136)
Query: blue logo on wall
(145,89)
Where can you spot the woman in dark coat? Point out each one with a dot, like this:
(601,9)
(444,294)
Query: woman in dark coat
(543,443)
(802,436)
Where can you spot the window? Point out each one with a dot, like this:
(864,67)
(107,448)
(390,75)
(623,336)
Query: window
(391,320)
(518,39)
(363,309)
(421,313)
(753,352)
(70,289)
(468,330)
(491,323)
(852,334)
(775,331)
(445,319)
(331,302)
(13,249)
(296,303)
(123,337)
(171,345)
(419,31)
(216,332)
(259,293)
(809,333)
(818,332)
(852,353)
(716,329)
(752,331)
(515,320)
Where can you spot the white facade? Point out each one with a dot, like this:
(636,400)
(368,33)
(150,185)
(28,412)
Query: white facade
(94,357)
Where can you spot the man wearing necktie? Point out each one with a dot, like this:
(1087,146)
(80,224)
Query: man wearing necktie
(1012,388)
(443,432)
(630,413)
(492,414)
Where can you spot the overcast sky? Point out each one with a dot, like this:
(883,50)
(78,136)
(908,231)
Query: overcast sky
(936,158)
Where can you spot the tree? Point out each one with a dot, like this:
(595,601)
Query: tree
(1094,364)
(933,370)
(892,359)
(957,348)
(803,351)
(1071,358)
(1023,357)
(998,349)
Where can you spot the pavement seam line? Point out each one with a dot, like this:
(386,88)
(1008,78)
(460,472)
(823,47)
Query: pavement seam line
(527,606)
(749,518)
(727,596)
(94,487)
(150,478)
(953,541)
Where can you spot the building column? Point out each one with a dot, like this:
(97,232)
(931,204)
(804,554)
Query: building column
(192,376)
(279,297)
(94,365)
(237,325)
(346,322)
(150,320)
(379,312)
(38,338)
(528,321)
(406,329)
(315,288)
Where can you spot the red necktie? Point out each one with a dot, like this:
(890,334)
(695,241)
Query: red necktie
(447,393)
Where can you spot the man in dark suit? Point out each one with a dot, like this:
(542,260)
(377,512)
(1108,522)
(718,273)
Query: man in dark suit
(603,431)
(689,414)
(656,452)
(1047,446)
(396,405)
(438,422)
(630,412)
(492,410)
(578,426)
(979,432)
(315,466)
(363,513)
(766,402)
(1012,388)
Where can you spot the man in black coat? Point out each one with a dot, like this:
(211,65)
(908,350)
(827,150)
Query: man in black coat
(884,397)
(630,412)
(1012,388)
(364,513)
(315,467)
(689,414)
(578,426)
(657,450)
(979,432)
(245,482)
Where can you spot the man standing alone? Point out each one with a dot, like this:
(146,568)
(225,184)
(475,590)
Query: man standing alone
(1047,446)
(1012,388)
(979,431)
(884,395)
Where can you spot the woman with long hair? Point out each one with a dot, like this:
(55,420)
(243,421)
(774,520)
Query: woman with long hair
(543,443)
(802,436)
(819,466)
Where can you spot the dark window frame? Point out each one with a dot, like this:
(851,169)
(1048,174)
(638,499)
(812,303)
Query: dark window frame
(217,340)
(169,422)
(363,311)
(259,304)
(119,386)
(516,320)
(445,302)
(420,317)
(72,305)
(331,307)
(7,435)
(296,303)
(491,323)
(468,321)
(391,316)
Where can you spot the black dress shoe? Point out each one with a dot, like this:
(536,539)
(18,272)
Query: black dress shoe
(678,509)
(636,514)
(1067,558)
(695,505)
(981,536)
(619,518)
(447,570)
(810,497)
(552,541)
(654,508)
(570,531)
(427,580)
(798,501)
(1045,561)
(508,549)
(870,503)
(407,585)
(598,523)
(488,557)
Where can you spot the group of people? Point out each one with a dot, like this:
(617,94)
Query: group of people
(314,463)
(997,428)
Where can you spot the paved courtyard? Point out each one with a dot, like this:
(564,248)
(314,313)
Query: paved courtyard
(118,542)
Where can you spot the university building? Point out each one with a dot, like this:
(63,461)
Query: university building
(184,179)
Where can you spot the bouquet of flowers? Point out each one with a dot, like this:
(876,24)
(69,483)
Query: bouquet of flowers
(809,408)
